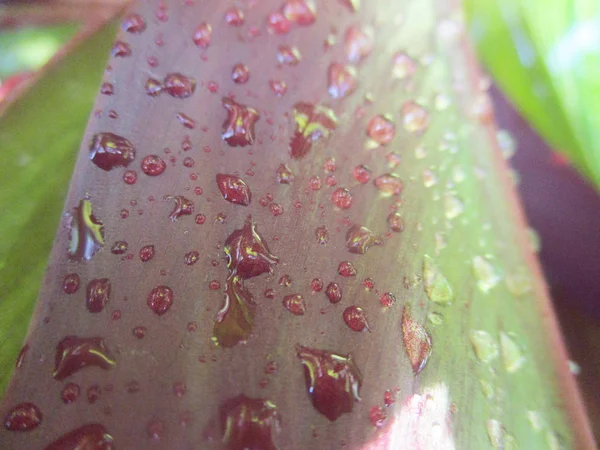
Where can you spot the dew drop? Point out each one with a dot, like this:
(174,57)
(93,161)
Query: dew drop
(147,253)
(346,269)
(395,222)
(300,12)
(92,436)
(153,165)
(23,417)
(21,356)
(289,56)
(134,23)
(234,189)
(284,174)
(417,342)
(98,294)
(360,239)
(279,87)
(108,150)
(70,393)
(355,318)
(183,206)
(341,80)
(387,299)
(484,346)
(342,198)
(203,35)
(313,123)
(186,121)
(316,285)
(415,118)
(453,207)
(191,258)
(234,17)
(86,233)
(377,416)
(334,292)
(160,299)
(333,381)
(403,66)
(121,49)
(381,129)
(178,85)
(73,353)
(436,285)
(139,332)
(295,304)
(358,44)
(362,174)
(71,283)
(130,177)
(486,275)
(238,128)
(278,24)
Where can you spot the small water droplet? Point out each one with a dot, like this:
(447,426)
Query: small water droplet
(358,43)
(86,233)
(322,235)
(403,66)
(417,342)
(153,165)
(362,174)
(147,253)
(70,393)
(289,56)
(279,87)
(178,85)
(512,355)
(395,222)
(234,189)
(346,269)
(295,304)
(240,73)
(71,283)
(341,80)
(334,292)
(483,343)
(300,12)
(355,318)
(313,123)
(436,285)
(360,239)
(183,207)
(93,393)
(388,184)
(333,381)
(130,177)
(316,285)
(23,417)
(73,353)
(91,436)
(203,35)
(415,118)
(342,198)
(238,128)
(278,24)
(234,17)
(387,299)
(381,129)
(98,294)
(134,23)
(160,299)
(453,207)
(21,356)
(108,150)
(284,174)
(139,332)
(518,283)
(486,275)
(186,120)
(121,49)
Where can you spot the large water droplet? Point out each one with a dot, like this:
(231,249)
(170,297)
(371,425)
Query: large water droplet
(300,12)
(238,128)
(91,436)
(108,150)
(73,353)
(295,304)
(342,198)
(404,66)
(160,299)
(360,239)
(388,184)
(178,85)
(333,381)
(134,23)
(183,206)
(484,345)
(313,123)
(23,417)
(358,44)
(436,285)
(203,35)
(86,233)
(234,189)
(381,129)
(512,355)
(98,294)
(153,165)
(486,275)
(417,342)
(333,292)
(341,80)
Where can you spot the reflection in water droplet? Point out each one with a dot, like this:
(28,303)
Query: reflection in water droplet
(512,355)
(486,275)
(484,345)
(300,12)
(71,283)
(238,128)
(92,436)
(23,417)
(86,233)
(381,129)
(183,206)
(108,150)
(360,239)
(74,353)
(313,123)
(388,184)
(333,381)
(417,342)
(355,318)
(436,285)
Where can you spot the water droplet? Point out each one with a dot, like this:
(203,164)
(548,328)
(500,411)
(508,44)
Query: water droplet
(387,299)
(388,184)
(186,121)
(389,398)
(486,275)
(240,73)
(300,12)
(453,207)
(279,87)
(108,150)
(191,257)
(290,56)
(334,292)
(295,304)
(86,233)
(23,417)
(346,269)
(107,89)
(360,239)
(238,128)
(98,294)
(277,23)
(358,44)
(417,342)
(333,381)
(381,129)
(147,253)
(485,348)
(153,165)
(234,17)
(139,332)
(203,35)
(121,49)
(518,283)
(284,174)
(119,248)
(130,177)
(160,299)
(429,178)
(248,423)
(313,123)
(316,285)
(377,416)
(285,280)
(178,85)
(134,23)
(73,353)
(234,189)
(183,207)
(93,393)
(342,198)
(91,436)
(403,66)
(436,285)
(395,222)
(415,118)
(71,283)
(322,235)
(341,80)
(512,355)
(21,356)
(247,254)
(355,318)
(70,393)
(362,174)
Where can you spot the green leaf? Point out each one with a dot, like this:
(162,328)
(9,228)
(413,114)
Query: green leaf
(25,49)
(39,138)
(547,60)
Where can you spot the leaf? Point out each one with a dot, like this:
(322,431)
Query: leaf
(39,136)
(546,60)
(213,173)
